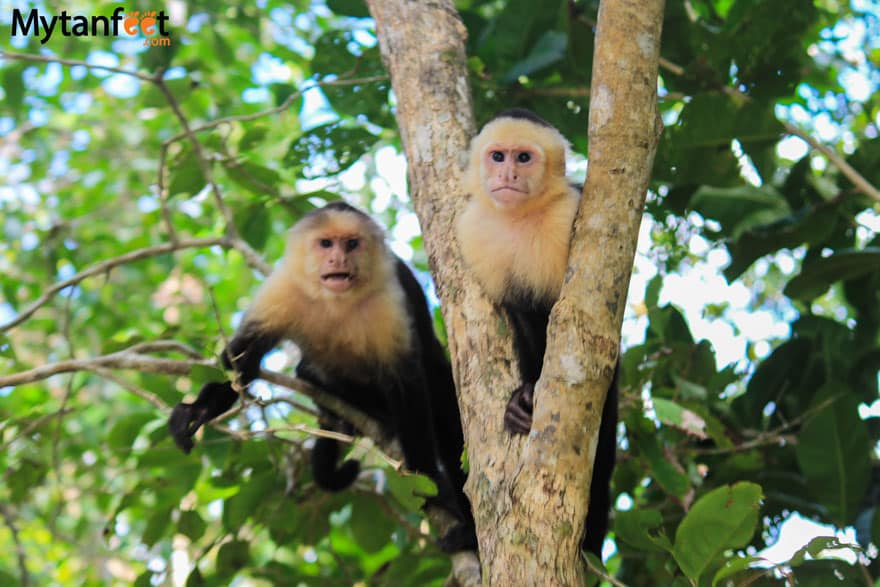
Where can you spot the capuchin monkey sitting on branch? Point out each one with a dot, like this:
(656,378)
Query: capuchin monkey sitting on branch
(514,234)
(362,323)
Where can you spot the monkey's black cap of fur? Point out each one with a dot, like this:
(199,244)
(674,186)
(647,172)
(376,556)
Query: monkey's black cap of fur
(524,114)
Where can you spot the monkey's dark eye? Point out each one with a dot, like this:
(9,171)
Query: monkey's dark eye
(325,243)
(497,156)
(524,157)
(351,244)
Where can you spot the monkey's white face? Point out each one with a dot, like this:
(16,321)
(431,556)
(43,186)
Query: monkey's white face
(512,172)
(339,259)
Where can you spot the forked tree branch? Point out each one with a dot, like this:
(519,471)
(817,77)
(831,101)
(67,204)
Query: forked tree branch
(521,503)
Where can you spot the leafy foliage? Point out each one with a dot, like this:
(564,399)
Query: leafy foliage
(290,105)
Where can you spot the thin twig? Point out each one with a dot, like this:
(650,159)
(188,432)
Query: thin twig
(130,360)
(857,179)
(201,156)
(109,264)
(160,346)
(119,360)
(253,258)
(298,406)
(275,109)
(9,520)
(162,189)
(774,436)
(127,385)
(34,424)
(73,62)
(602,574)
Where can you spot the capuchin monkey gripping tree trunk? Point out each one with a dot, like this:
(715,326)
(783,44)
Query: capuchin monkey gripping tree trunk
(529,493)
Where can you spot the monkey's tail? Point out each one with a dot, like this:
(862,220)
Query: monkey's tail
(327,476)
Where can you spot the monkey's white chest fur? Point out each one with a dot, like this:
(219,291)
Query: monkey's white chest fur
(372,331)
(363,328)
(508,251)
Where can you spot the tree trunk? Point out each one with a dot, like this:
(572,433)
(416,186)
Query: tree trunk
(529,495)
(551,486)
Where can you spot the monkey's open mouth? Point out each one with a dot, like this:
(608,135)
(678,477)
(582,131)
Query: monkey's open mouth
(337,282)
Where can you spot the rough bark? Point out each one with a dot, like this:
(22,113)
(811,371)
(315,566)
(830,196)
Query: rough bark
(422,46)
(529,495)
(551,486)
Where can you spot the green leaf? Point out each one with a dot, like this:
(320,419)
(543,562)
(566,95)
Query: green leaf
(255,178)
(254,134)
(186,175)
(191,525)
(370,526)
(195,578)
(330,148)
(670,478)
(156,525)
(549,49)
(652,292)
(410,489)
(784,369)
(642,528)
(415,571)
(22,480)
(814,549)
(818,275)
(254,224)
(6,348)
(13,89)
(834,452)
(356,8)
(515,28)
(828,572)
(672,414)
(180,88)
(202,374)
(307,522)
(223,52)
(740,208)
(237,508)
(735,566)
(722,519)
(811,226)
(332,55)
(232,557)
(126,430)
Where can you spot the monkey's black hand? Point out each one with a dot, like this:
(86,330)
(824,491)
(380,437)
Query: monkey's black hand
(214,399)
(518,414)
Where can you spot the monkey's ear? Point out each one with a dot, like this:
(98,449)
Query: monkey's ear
(214,399)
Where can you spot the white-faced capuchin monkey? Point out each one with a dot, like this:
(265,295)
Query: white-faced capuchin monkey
(362,323)
(515,234)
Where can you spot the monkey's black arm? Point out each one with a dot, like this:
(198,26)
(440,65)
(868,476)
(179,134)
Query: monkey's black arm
(325,454)
(529,340)
(244,353)
(246,350)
